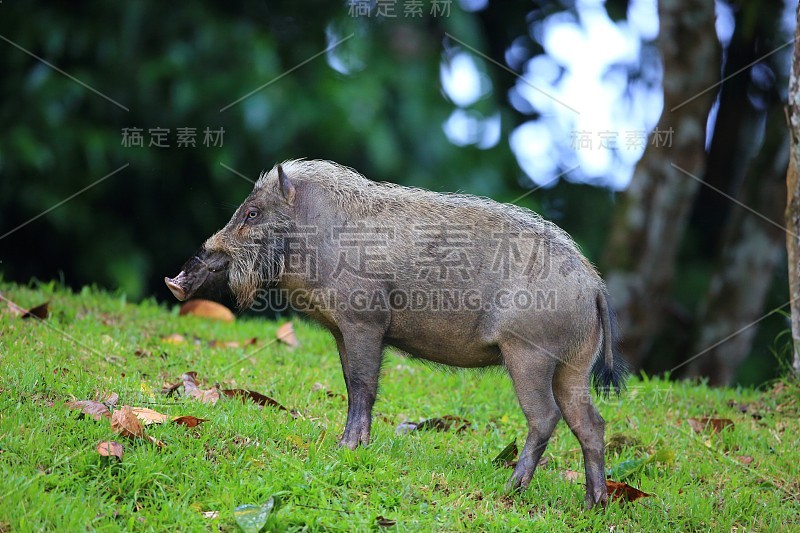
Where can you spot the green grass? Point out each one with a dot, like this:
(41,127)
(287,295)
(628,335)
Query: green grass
(51,477)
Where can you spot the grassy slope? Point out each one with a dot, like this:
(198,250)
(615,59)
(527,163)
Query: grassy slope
(51,477)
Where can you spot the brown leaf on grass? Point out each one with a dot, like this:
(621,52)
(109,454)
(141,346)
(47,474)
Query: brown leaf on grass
(256,397)
(110,448)
(147,416)
(622,491)
(223,344)
(175,338)
(572,475)
(233,344)
(202,395)
(41,311)
(286,335)
(745,459)
(715,425)
(169,388)
(188,421)
(91,408)
(108,398)
(193,391)
(60,371)
(207,309)
(384,522)
(125,423)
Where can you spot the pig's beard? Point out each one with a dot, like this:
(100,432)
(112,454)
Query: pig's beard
(254,266)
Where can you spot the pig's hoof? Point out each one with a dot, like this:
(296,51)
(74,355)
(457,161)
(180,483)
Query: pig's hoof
(352,441)
(348,443)
(517,482)
(521,478)
(601,500)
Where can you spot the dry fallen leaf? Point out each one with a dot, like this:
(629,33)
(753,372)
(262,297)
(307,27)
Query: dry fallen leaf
(169,388)
(188,421)
(94,409)
(40,311)
(232,344)
(286,335)
(256,397)
(223,344)
(715,425)
(623,491)
(572,475)
(175,338)
(108,398)
(207,309)
(125,422)
(384,522)
(110,448)
(148,416)
(745,459)
(202,395)
(211,515)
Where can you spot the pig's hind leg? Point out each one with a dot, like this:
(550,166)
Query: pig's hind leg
(571,389)
(531,368)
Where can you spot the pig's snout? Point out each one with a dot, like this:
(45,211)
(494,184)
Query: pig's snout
(200,273)
(174,285)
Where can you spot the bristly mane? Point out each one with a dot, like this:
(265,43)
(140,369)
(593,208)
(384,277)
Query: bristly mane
(363,197)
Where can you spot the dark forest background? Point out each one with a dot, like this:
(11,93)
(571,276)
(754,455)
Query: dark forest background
(687,266)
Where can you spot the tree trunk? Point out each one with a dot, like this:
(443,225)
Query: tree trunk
(793,198)
(652,215)
(752,248)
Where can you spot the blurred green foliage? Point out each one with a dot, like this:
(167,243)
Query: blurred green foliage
(178,68)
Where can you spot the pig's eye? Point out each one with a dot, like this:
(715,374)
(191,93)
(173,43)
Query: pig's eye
(251,214)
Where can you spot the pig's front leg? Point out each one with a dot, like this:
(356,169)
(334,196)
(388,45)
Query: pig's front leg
(361,363)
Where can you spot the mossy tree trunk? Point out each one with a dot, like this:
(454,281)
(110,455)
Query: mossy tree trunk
(751,250)
(793,198)
(651,218)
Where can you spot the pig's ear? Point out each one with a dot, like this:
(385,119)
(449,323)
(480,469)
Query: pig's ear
(286,186)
